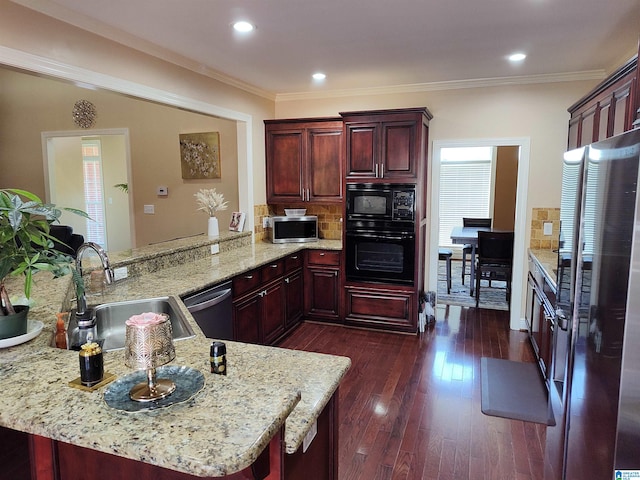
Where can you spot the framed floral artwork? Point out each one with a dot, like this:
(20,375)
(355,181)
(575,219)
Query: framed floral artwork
(200,155)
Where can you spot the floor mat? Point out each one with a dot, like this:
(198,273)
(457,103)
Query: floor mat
(514,390)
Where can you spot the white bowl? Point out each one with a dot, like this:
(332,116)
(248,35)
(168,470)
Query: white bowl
(295,212)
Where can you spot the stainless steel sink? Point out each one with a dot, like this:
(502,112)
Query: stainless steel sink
(109,326)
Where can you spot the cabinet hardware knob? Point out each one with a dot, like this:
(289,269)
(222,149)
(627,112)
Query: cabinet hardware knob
(286,280)
(248,277)
(275,265)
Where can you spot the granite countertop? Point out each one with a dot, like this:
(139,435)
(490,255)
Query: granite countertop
(547,260)
(222,429)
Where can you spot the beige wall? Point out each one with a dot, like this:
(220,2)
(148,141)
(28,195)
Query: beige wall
(32,105)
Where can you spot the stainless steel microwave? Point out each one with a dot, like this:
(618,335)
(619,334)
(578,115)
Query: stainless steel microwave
(294,229)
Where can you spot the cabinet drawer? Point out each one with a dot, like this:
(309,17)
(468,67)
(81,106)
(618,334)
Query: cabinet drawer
(293,262)
(272,270)
(246,282)
(323,257)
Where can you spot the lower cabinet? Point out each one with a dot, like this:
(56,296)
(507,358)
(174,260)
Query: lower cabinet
(322,285)
(540,318)
(381,308)
(267,301)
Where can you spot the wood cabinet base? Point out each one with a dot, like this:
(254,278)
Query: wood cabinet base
(381,308)
(53,460)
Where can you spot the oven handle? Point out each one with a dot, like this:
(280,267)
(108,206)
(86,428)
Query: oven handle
(382,235)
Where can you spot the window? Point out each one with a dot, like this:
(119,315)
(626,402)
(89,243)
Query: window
(465,187)
(93,191)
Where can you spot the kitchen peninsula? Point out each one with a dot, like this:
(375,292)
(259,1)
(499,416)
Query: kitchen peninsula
(268,402)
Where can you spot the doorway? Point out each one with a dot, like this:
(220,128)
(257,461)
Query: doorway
(519,227)
(90,170)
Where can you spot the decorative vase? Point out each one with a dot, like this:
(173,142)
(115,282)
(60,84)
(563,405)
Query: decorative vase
(213,230)
(16,324)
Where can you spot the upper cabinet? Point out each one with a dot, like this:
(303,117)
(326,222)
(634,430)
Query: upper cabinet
(386,145)
(608,110)
(304,160)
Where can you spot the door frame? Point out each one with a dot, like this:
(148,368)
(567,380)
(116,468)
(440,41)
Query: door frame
(518,284)
(48,168)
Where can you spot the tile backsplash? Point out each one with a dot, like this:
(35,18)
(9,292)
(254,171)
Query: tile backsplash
(539,217)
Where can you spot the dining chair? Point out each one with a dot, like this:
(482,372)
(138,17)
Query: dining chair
(467,248)
(446,254)
(494,259)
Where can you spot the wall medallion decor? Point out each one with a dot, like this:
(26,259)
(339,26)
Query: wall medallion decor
(200,155)
(84,114)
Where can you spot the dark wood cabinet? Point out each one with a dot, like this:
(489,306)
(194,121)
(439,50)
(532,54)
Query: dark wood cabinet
(540,318)
(381,307)
(304,160)
(608,110)
(385,145)
(267,302)
(322,285)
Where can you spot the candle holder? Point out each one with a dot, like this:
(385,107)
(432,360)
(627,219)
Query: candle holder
(149,344)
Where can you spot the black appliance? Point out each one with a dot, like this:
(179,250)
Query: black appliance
(381,202)
(380,233)
(594,388)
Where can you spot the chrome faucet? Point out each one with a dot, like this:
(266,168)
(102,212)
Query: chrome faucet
(81,310)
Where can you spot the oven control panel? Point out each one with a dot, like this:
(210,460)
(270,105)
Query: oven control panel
(403,205)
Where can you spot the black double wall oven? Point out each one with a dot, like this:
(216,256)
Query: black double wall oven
(380,233)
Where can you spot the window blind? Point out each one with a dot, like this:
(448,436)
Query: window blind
(465,187)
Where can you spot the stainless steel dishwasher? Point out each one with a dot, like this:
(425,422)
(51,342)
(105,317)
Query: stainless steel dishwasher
(212,311)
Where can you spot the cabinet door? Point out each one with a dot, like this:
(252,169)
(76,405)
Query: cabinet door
(324,164)
(284,165)
(322,287)
(362,150)
(381,308)
(294,294)
(273,311)
(247,312)
(399,150)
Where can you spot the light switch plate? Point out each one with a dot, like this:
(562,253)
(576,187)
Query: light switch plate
(547,228)
(162,191)
(150,209)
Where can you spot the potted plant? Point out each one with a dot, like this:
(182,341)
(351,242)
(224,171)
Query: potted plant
(26,247)
(210,201)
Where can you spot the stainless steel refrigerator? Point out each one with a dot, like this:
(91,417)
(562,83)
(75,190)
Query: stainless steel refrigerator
(595,374)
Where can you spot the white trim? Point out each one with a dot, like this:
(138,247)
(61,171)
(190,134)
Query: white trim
(516,321)
(54,68)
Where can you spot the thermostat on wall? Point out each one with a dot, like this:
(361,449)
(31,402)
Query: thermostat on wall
(162,191)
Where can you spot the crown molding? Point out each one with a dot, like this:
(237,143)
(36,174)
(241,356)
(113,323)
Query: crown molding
(448,85)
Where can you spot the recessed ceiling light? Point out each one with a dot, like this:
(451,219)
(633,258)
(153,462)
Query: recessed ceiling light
(319,76)
(517,57)
(243,26)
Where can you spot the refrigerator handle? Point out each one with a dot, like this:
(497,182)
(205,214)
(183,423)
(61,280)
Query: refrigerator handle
(561,319)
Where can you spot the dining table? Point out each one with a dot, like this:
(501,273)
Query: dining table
(468,236)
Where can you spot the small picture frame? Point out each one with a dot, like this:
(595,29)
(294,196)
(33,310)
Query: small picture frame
(237,221)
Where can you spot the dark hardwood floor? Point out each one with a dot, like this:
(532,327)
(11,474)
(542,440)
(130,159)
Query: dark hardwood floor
(410,405)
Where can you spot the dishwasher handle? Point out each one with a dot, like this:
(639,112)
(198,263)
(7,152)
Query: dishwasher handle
(220,297)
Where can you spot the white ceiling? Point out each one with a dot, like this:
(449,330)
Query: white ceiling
(364,44)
